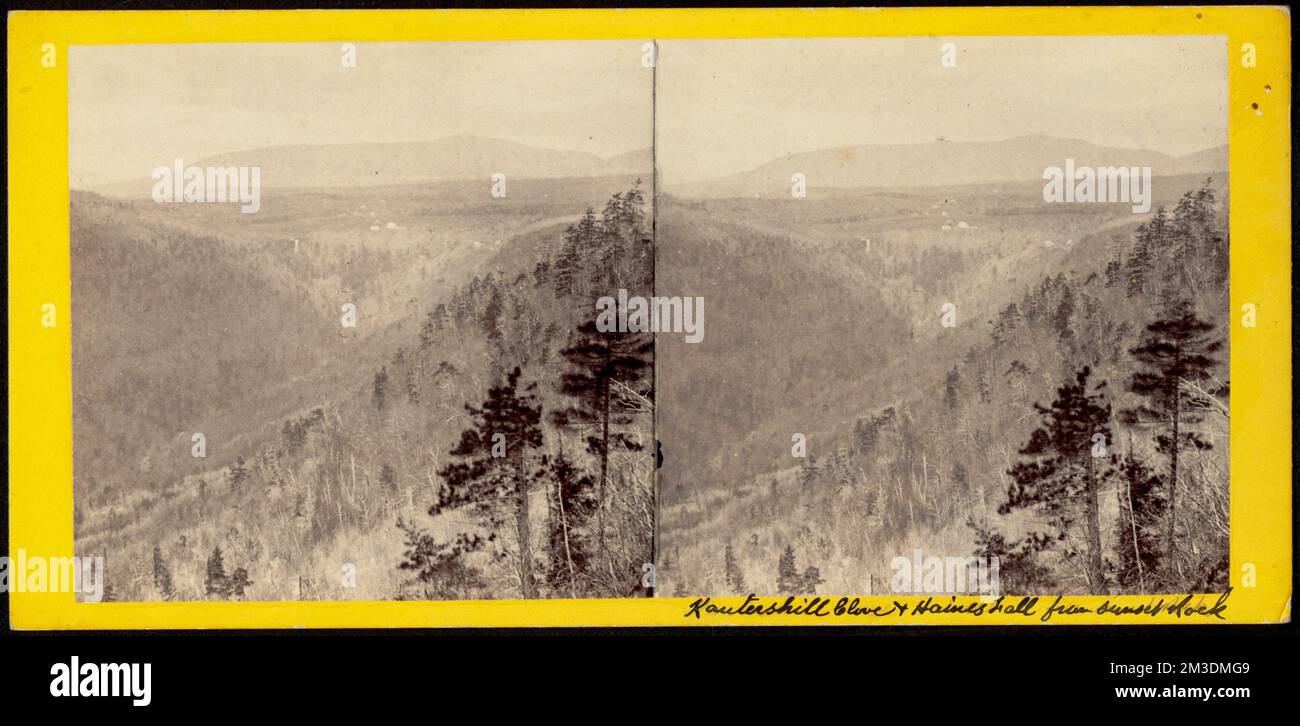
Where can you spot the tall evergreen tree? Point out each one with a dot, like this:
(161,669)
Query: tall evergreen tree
(162,576)
(571,503)
(541,273)
(568,265)
(597,363)
(1062,469)
(494,473)
(788,581)
(950,382)
(731,569)
(491,320)
(380,388)
(1064,314)
(1141,507)
(1114,271)
(1175,348)
(1151,241)
(581,242)
(214,582)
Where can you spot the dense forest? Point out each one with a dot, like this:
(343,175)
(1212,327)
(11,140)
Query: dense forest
(1078,432)
(487,444)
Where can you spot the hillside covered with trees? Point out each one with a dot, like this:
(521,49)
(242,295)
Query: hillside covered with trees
(485,444)
(1078,431)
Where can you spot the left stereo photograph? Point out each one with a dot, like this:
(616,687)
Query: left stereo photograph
(332,329)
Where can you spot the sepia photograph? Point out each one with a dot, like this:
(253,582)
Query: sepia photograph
(333,329)
(359,356)
(968,316)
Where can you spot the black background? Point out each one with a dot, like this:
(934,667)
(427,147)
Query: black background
(647,673)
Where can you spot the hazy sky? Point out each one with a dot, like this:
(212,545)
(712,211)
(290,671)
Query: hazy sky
(728,106)
(133,108)
(723,106)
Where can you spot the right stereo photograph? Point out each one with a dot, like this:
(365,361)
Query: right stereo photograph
(967,316)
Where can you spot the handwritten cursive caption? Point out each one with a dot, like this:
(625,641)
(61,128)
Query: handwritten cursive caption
(1027,606)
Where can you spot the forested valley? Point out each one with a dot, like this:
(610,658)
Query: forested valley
(1071,420)
(485,441)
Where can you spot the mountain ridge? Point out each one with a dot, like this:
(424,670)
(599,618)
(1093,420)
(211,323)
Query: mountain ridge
(940,163)
(451,158)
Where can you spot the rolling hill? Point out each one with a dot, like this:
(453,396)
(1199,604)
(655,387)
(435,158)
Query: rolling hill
(378,164)
(941,163)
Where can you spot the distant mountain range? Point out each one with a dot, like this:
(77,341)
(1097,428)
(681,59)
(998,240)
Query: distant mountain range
(370,164)
(942,163)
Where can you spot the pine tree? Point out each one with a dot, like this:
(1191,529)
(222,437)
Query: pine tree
(621,229)
(598,362)
(1195,217)
(214,583)
(950,382)
(1175,348)
(1114,271)
(571,503)
(1141,506)
(1062,470)
(1009,320)
(581,242)
(1018,568)
(162,577)
(492,316)
(1151,238)
(541,273)
(842,467)
(380,388)
(1064,313)
(489,478)
(568,265)
(812,577)
(866,431)
(731,569)
(388,477)
(237,583)
(788,580)
(440,569)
